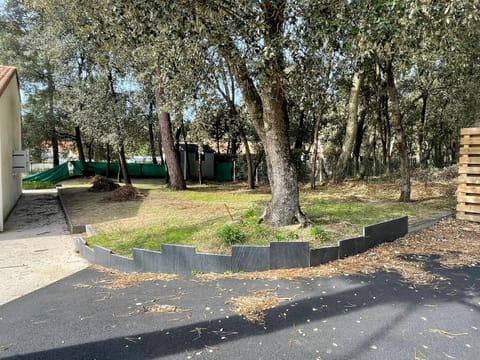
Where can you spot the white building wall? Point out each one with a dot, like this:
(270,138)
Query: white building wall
(10,140)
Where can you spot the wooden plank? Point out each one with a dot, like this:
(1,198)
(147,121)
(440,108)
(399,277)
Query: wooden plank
(465,160)
(470,131)
(468,189)
(468,217)
(464,179)
(470,150)
(468,199)
(469,170)
(470,140)
(469,208)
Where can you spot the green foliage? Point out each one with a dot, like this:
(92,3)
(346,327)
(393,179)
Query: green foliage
(319,233)
(231,234)
(37,185)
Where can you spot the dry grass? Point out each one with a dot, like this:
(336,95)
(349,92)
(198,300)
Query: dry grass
(163,309)
(121,280)
(253,307)
(193,217)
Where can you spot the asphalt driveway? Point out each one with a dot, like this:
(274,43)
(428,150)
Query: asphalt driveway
(350,317)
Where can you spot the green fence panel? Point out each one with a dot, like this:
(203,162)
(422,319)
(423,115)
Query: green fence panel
(54,175)
(100,168)
(153,170)
(223,171)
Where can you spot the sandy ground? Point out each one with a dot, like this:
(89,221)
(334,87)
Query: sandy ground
(35,248)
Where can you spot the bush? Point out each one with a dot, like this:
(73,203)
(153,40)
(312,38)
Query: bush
(231,234)
(319,233)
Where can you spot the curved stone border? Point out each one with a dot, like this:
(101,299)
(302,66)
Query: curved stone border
(179,259)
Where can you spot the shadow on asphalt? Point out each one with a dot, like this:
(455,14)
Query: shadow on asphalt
(362,292)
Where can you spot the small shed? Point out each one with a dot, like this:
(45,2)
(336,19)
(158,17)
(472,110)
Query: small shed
(189,161)
(10,142)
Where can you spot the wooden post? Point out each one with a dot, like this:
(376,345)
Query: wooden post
(468,194)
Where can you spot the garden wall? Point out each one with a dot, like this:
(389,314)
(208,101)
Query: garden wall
(180,259)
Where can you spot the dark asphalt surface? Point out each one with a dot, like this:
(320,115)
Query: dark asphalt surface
(351,317)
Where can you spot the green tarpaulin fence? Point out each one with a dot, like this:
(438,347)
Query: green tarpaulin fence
(76,168)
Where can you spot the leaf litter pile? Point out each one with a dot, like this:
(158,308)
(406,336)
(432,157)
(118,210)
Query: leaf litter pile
(253,307)
(121,280)
(102,184)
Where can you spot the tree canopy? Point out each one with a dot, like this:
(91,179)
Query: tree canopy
(325,89)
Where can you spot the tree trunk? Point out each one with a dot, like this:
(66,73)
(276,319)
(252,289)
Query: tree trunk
(90,151)
(78,140)
(55,151)
(176,181)
(421,132)
(300,132)
(123,165)
(352,127)
(284,207)
(160,151)
(109,160)
(51,116)
(314,160)
(269,115)
(151,140)
(386,139)
(200,175)
(400,136)
(359,138)
(367,167)
(248,158)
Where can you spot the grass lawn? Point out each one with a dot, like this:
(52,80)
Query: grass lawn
(211,217)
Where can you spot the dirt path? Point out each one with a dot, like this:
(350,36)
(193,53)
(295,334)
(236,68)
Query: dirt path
(35,249)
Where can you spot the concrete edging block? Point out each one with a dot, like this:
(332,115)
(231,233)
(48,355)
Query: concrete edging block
(212,263)
(90,230)
(250,258)
(122,263)
(351,247)
(386,231)
(323,255)
(285,255)
(85,250)
(149,261)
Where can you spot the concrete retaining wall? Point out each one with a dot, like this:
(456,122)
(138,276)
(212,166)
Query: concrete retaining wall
(180,259)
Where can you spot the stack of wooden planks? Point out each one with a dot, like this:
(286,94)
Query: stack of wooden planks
(468,194)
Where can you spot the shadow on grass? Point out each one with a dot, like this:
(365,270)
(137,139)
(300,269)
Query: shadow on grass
(373,294)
